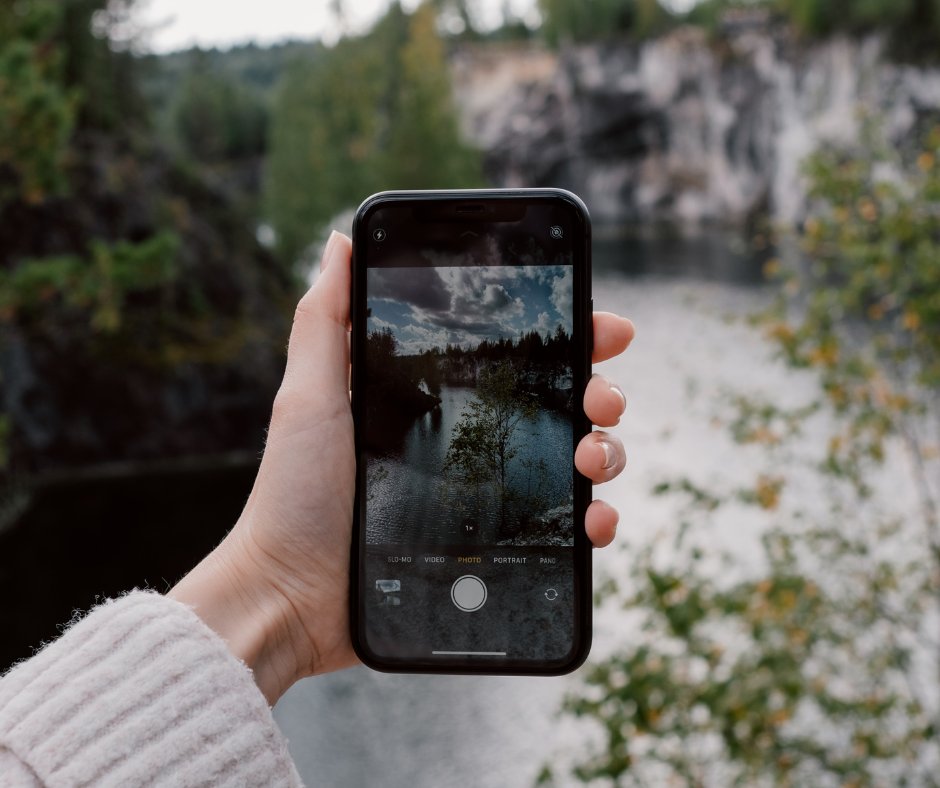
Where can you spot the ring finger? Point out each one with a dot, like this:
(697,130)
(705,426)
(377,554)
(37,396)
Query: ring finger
(600,456)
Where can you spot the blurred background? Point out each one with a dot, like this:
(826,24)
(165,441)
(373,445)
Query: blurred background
(764,181)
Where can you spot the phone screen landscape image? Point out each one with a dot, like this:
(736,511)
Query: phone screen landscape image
(470,360)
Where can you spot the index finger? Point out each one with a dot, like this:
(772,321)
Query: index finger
(612,335)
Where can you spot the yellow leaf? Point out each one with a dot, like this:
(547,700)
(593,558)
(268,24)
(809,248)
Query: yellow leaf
(826,354)
(780,331)
(779,717)
(910,320)
(768,492)
(868,210)
(798,636)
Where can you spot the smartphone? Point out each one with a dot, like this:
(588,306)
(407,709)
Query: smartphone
(471,343)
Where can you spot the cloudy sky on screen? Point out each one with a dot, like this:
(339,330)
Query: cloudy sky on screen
(430,307)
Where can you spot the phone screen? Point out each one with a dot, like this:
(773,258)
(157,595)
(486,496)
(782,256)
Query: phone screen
(469,365)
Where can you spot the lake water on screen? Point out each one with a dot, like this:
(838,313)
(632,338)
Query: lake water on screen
(410,500)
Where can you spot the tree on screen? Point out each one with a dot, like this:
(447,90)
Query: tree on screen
(482,443)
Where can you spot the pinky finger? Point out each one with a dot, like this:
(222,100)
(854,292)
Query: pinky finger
(600,522)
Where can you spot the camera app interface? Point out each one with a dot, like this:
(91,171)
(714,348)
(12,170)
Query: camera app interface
(468,504)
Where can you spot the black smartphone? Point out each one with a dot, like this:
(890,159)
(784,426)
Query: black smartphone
(471,345)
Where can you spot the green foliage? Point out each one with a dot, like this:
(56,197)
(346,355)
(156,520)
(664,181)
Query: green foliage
(257,68)
(323,140)
(868,303)
(97,286)
(238,87)
(807,666)
(58,74)
(913,26)
(37,110)
(101,68)
(587,20)
(472,452)
(217,119)
(481,445)
(372,113)
(771,680)
(399,378)
(823,18)
(482,440)
(423,148)
(121,267)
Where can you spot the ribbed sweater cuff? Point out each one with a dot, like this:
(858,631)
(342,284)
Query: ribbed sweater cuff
(141,691)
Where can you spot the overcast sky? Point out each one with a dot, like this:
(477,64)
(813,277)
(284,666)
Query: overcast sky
(177,24)
(430,307)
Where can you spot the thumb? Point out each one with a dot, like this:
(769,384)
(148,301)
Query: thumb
(318,352)
(331,290)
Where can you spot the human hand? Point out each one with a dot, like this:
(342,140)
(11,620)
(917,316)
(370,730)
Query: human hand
(277,588)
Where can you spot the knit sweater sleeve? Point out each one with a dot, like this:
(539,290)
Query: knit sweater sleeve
(139,691)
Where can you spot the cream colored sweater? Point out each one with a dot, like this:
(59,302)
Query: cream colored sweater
(139,692)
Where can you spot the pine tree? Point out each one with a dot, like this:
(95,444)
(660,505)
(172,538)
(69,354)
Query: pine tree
(372,113)
(37,108)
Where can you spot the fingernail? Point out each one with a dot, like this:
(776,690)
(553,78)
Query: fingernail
(631,328)
(616,389)
(610,456)
(325,258)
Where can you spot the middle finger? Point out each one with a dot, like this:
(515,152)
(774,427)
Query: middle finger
(604,402)
(600,456)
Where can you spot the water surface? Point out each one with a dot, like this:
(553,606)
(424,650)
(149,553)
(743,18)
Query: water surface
(410,501)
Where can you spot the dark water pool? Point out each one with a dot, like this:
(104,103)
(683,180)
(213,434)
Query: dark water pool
(411,501)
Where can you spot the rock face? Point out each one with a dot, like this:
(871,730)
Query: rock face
(681,128)
(554,527)
(192,366)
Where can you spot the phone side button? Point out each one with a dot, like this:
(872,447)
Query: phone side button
(468,593)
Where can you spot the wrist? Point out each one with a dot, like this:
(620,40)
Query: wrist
(232,596)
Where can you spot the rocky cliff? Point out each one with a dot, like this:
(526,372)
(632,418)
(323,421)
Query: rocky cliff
(101,360)
(683,128)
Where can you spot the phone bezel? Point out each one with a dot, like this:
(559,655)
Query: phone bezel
(496,203)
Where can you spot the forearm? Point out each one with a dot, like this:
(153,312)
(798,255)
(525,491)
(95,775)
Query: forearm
(140,690)
(230,592)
